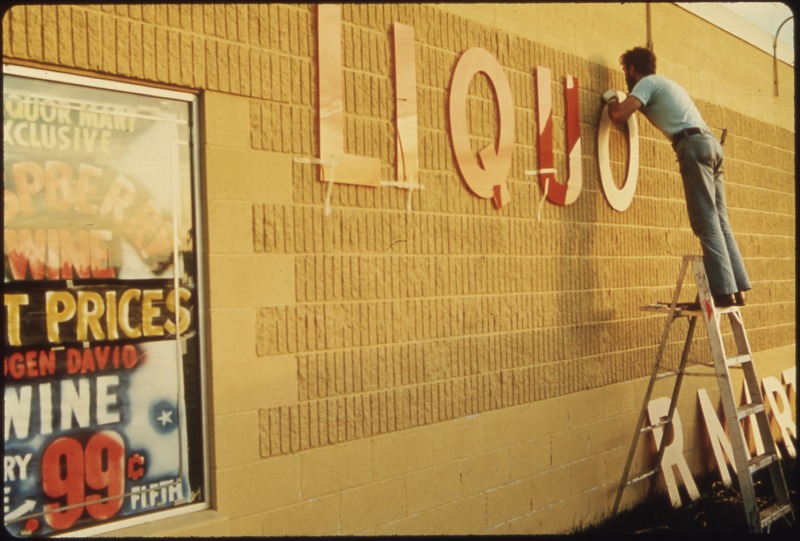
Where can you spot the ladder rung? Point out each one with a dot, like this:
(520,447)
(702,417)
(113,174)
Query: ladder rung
(750,409)
(739,359)
(642,477)
(773,513)
(760,462)
(659,424)
(668,374)
(681,310)
(698,363)
(700,374)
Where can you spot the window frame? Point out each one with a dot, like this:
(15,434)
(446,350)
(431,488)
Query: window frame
(201,303)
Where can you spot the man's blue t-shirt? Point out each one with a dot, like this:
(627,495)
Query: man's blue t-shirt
(667,105)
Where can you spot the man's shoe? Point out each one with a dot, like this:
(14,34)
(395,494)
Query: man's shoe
(724,301)
(740,298)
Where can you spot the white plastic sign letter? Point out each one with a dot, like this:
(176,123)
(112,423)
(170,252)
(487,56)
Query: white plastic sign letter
(619,198)
(673,452)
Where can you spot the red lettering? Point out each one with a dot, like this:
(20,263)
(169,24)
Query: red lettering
(25,249)
(129,357)
(57,253)
(14,366)
(47,363)
(73,361)
(101,356)
(75,255)
(88,362)
(31,364)
(558,193)
(91,360)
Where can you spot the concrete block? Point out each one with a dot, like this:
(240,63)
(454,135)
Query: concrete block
(509,502)
(226,120)
(535,522)
(585,475)
(549,416)
(269,278)
(230,227)
(255,384)
(401,452)
(507,427)
(459,518)
(247,175)
(549,487)
(235,439)
(372,505)
(232,334)
(484,472)
(242,490)
(619,399)
(329,470)
(610,434)
(530,457)
(315,517)
(454,440)
(433,487)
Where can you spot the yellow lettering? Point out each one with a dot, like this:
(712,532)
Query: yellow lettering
(183,315)
(150,312)
(60,307)
(124,313)
(90,310)
(13,319)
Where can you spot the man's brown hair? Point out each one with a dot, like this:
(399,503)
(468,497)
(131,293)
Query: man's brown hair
(643,60)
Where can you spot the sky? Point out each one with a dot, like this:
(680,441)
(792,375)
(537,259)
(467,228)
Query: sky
(767,15)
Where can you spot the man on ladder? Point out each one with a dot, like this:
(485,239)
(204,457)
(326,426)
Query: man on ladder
(720,277)
(670,109)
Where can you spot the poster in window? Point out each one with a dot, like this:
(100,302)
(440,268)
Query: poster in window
(100,363)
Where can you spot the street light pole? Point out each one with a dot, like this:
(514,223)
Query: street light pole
(775,54)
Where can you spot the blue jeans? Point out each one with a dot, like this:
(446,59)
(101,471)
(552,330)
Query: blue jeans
(700,158)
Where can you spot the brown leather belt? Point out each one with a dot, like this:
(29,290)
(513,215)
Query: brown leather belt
(678,137)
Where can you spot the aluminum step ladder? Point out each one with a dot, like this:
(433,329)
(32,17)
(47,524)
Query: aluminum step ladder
(758,520)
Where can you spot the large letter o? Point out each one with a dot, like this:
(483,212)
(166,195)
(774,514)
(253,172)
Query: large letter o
(619,198)
(487,178)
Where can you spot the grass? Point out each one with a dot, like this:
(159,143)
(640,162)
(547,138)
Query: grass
(718,512)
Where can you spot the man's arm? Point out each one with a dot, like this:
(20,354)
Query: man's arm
(621,111)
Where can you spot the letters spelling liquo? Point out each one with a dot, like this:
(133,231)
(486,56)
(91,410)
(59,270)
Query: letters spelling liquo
(485,173)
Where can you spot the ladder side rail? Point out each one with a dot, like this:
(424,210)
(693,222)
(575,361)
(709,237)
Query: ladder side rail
(737,326)
(762,421)
(653,377)
(736,433)
(639,424)
(729,407)
(770,446)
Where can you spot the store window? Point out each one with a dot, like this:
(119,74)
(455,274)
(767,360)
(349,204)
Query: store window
(103,352)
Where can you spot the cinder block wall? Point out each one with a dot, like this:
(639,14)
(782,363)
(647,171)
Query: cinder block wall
(456,369)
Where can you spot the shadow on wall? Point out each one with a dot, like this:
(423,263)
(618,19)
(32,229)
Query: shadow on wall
(583,300)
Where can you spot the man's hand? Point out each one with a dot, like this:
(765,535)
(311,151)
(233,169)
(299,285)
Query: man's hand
(609,96)
(620,111)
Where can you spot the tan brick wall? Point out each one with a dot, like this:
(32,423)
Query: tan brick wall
(456,369)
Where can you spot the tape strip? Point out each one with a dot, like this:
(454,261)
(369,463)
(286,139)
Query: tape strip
(541,171)
(410,190)
(541,201)
(532,172)
(331,182)
(407,185)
